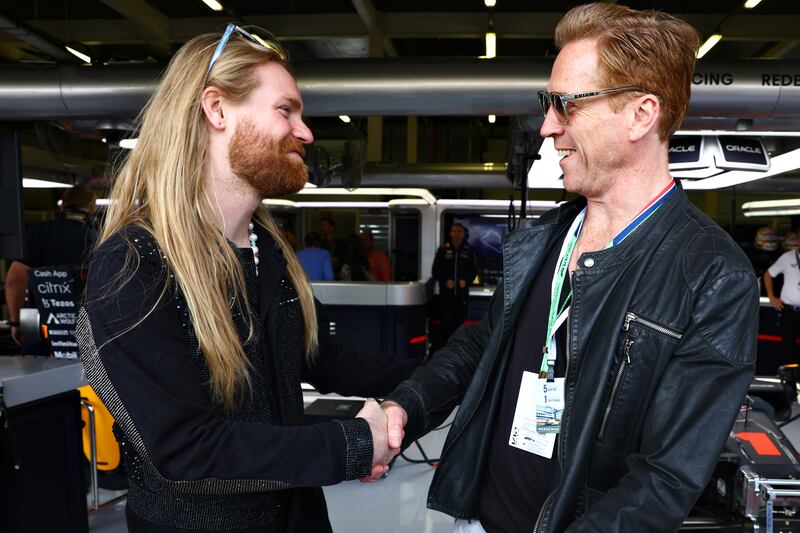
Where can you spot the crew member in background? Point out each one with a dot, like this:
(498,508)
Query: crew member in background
(316,261)
(788,304)
(454,268)
(63,241)
(765,251)
(336,247)
(379,265)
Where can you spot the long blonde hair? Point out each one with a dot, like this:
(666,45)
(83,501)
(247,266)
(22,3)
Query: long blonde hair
(160,187)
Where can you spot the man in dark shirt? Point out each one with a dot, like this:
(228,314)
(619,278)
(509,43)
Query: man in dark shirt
(62,241)
(454,268)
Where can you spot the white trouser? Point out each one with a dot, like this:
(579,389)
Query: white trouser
(468,526)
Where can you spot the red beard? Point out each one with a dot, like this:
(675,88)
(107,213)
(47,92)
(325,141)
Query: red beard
(265,164)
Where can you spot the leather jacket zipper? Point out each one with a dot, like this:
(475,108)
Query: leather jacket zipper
(633,317)
(559,447)
(626,360)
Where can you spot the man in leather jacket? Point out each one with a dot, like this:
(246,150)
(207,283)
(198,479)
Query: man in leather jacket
(629,303)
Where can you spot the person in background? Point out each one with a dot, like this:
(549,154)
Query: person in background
(454,268)
(788,303)
(66,240)
(290,238)
(316,261)
(199,323)
(355,266)
(379,265)
(600,387)
(336,247)
(765,251)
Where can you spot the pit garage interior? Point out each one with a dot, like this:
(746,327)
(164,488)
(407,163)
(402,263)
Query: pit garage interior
(424,113)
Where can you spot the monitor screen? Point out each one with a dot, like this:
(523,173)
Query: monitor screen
(485,236)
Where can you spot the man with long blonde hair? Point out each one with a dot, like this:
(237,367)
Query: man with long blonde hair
(199,323)
(599,389)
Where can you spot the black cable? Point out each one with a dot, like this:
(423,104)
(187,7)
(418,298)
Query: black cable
(425,459)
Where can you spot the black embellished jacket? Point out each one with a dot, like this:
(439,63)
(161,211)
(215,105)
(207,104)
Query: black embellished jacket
(190,464)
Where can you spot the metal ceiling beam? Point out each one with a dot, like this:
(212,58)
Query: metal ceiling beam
(373,20)
(777,50)
(18,32)
(152,23)
(531,25)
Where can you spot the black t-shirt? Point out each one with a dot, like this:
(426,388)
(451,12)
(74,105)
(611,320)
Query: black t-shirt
(58,242)
(517,482)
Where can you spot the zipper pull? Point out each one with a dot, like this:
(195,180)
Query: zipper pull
(629,317)
(628,345)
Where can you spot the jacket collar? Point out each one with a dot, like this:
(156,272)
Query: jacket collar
(524,251)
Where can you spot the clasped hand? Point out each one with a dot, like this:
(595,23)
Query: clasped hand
(386,422)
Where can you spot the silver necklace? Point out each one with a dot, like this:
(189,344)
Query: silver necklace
(253,244)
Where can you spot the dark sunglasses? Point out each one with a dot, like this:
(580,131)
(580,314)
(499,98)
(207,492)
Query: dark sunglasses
(559,102)
(233,28)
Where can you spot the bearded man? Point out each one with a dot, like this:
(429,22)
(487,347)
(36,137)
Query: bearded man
(199,323)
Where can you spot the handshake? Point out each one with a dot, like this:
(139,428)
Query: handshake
(386,421)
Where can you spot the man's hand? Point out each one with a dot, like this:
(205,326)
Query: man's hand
(396,420)
(776,302)
(450,283)
(462,283)
(382,454)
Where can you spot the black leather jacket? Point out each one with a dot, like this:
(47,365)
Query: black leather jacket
(661,348)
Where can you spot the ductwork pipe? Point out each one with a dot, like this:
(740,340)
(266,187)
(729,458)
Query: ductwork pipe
(741,89)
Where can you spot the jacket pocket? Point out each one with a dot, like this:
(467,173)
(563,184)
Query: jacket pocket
(627,358)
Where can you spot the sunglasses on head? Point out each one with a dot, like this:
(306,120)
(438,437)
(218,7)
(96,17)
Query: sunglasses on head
(559,102)
(233,28)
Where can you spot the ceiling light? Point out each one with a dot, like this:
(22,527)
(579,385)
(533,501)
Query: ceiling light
(492,119)
(491,3)
(80,55)
(345,119)
(763,204)
(708,45)
(32,183)
(425,194)
(773,213)
(491,45)
(128,144)
(750,133)
(213,4)
(750,4)
(104,140)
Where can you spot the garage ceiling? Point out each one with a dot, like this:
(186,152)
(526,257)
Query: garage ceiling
(150,30)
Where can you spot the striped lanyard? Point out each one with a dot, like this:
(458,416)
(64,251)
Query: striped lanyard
(556,316)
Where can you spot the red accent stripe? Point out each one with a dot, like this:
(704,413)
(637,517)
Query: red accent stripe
(773,338)
(761,442)
(658,196)
(471,322)
(417,340)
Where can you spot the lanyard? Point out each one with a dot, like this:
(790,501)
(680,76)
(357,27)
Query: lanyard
(556,316)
